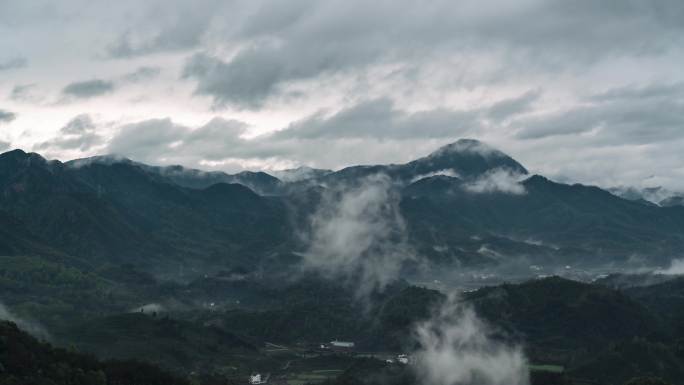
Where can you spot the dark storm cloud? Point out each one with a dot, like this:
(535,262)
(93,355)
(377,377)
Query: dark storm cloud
(79,133)
(244,82)
(165,26)
(285,42)
(7,116)
(625,115)
(13,63)
(88,88)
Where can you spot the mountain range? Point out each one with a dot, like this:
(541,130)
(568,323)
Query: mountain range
(466,204)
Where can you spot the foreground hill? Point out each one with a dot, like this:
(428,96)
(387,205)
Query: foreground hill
(594,332)
(591,332)
(26,361)
(564,314)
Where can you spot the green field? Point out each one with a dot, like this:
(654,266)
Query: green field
(314,376)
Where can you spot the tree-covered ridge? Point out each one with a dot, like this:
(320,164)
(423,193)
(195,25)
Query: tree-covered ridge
(27,361)
(120,211)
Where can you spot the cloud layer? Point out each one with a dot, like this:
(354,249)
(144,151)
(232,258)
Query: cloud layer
(589,92)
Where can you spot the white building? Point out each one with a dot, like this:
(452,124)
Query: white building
(256,379)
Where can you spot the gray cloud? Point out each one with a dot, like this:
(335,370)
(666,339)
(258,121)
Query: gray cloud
(212,139)
(7,116)
(514,106)
(4,145)
(78,125)
(625,115)
(97,87)
(277,40)
(245,82)
(353,33)
(149,140)
(364,132)
(13,63)
(79,133)
(636,93)
(142,74)
(88,88)
(380,119)
(604,137)
(576,121)
(164,26)
(24,93)
(592,88)
(161,141)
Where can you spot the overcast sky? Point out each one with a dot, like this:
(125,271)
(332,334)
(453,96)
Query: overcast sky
(584,90)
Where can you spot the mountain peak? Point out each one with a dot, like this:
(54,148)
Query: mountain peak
(19,155)
(467,158)
(471,146)
(13,153)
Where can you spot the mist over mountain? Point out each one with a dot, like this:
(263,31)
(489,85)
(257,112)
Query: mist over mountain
(189,268)
(466,204)
(650,195)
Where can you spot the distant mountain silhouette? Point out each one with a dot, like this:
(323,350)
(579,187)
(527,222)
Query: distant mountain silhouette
(466,203)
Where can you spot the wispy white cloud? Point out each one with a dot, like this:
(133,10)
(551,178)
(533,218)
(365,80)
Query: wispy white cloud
(676,268)
(456,348)
(358,234)
(32,327)
(497,181)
